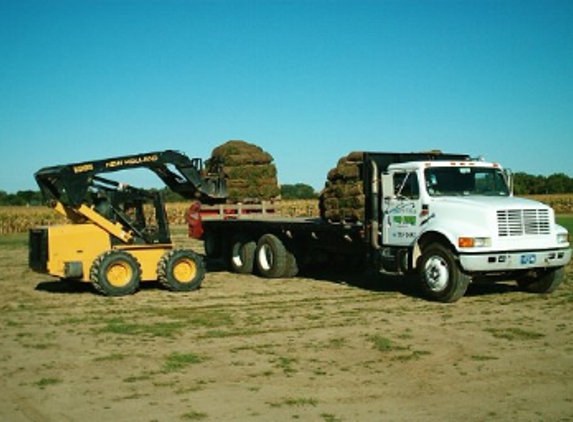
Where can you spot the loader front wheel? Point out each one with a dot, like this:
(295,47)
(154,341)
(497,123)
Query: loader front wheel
(115,273)
(181,270)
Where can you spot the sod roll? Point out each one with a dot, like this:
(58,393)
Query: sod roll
(250,172)
(342,199)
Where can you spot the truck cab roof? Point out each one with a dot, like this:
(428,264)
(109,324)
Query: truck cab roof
(442,163)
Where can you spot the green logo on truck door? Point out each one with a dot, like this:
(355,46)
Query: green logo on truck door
(404,220)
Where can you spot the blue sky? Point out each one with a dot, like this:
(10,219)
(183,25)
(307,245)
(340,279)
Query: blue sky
(309,81)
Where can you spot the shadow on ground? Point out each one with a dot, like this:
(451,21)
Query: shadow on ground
(80,287)
(372,280)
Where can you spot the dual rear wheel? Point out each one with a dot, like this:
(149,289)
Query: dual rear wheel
(268,256)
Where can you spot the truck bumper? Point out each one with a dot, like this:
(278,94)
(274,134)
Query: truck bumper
(515,261)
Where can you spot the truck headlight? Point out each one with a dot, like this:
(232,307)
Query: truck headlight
(562,237)
(474,242)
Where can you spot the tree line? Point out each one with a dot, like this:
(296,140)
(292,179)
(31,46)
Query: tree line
(527,184)
(523,184)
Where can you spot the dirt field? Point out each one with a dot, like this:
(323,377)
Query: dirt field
(248,349)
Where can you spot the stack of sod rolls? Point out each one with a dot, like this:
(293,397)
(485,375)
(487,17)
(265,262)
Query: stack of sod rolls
(250,172)
(342,198)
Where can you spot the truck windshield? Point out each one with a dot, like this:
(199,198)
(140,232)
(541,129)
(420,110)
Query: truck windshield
(464,181)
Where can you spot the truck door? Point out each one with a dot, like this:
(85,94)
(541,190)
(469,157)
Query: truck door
(401,210)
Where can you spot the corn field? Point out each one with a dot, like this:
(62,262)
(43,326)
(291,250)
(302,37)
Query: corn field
(561,203)
(20,219)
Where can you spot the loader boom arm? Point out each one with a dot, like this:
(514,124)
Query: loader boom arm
(69,183)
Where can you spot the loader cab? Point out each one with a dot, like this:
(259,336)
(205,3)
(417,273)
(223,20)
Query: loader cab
(140,211)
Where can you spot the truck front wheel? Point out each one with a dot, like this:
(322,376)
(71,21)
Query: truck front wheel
(442,278)
(544,282)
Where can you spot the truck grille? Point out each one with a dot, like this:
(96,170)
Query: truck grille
(523,222)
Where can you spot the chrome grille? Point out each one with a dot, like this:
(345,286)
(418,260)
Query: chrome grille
(523,222)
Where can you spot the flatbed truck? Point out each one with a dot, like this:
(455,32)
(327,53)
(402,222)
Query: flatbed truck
(447,218)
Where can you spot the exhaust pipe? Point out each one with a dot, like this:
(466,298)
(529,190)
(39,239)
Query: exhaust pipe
(375,218)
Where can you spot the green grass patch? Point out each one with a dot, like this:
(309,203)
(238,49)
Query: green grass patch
(209,318)
(295,402)
(114,357)
(40,346)
(45,382)
(482,358)
(177,361)
(14,241)
(286,364)
(566,220)
(411,355)
(157,329)
(383,344)
(78,321)
(329,417)
(336,343)
(137,378)
(194,416)
(515,334)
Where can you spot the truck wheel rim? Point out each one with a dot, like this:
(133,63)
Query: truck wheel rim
(119,274)
(184,270)
(437,274)
(266,258)
(237,256)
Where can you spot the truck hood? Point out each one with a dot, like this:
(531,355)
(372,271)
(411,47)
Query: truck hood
(488,202)
(508,218)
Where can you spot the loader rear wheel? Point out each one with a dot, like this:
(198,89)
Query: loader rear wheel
(181,270)
(271,257)
(242,254)
(115,273)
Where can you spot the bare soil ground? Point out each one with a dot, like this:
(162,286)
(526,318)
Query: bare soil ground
(242,348)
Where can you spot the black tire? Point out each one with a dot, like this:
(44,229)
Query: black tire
(292,267)
(115,273)
(441,276)
(544,282)
(213,244)
(241,253)
(181,270)
(271,257)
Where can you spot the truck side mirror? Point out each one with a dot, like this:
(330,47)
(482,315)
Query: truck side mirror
(387,185)
(508,175)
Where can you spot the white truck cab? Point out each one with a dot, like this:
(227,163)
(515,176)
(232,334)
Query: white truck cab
(454,221)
